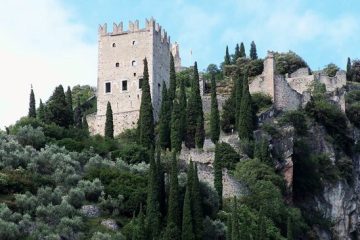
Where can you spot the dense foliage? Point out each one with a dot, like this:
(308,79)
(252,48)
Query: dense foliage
(288,62)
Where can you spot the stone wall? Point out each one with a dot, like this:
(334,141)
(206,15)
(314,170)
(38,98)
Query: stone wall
(285,97)
(206,102)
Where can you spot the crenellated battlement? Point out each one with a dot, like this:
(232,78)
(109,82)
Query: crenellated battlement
(150,25)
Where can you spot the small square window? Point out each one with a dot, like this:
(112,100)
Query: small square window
(114,45)
(107,87)
(134,74)
(140,83)
(133,63)
(133,42)
(117,64)
(124,85)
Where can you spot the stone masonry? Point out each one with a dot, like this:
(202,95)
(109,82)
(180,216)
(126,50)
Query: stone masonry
(120,72)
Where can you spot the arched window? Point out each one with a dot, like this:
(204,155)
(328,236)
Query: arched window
(134,43)
(117,64)
(114,45)
(133,63)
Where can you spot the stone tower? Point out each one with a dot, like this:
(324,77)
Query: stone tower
(120,72)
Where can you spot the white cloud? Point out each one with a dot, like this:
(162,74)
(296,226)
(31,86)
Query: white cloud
(40,45)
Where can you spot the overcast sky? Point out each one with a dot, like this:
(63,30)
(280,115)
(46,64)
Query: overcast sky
(45,43)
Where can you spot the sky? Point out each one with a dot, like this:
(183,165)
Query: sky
(44,43)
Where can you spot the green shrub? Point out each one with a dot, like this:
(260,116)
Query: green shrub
(260,101)
(131,153)
(353,107)
(297,119)
(333,119)
(128,136)
(247,147)
(71,144)
(331,69)
(25,121)
(288,62)
(255,67)
(227,155)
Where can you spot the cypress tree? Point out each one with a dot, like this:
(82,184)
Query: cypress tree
(200,133)
(182,106)
(161,183)
(195,114)
(235,234)
(70,105)
(85,125)
(57,109)
(172,86)
(164,119)
(152,203)
(238,96)
(146,118)
(261,232)
(227,56)
(214,115)
(41,112)
(218,174)
(237,53)
(139,231)
(253,53)
(348,70)
(176,134)
(78,115)
(289,234)
(173,203)
(242,50)
(228,225)
(196,205)
(109,123)
(245,127)
(187,221)
(32,105)
(172,232)
(262,151)
(228,113)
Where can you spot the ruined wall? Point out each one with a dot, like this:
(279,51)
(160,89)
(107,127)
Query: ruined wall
(301,81)
(285,97)
(265,82)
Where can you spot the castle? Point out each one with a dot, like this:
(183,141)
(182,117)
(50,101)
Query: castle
(120,72)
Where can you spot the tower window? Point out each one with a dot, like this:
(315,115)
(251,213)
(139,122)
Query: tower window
(107,87)
(117,64)
(133,63)
(140,83)
(114,45)
(124,85)
(134,74)
(134,43)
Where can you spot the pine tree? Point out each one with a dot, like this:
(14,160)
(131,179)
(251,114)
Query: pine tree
(146,118)
(161,183)
(218,174)
(164,119)
(196,205)
(238,96)
(70,105)
(172,86)
(187,220)
(41,112)
(32,105)
(195,114)
(242,50)
(78,115)
(228,225)
(200,133)
(237,53)
(245,127)
(253,53)
(182,106)
(152,203)
(235,234)
(176,134)
(57,109)
(214,115)
(227,56)
(348,70)
(173,202)
(262,151)
(109,123)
